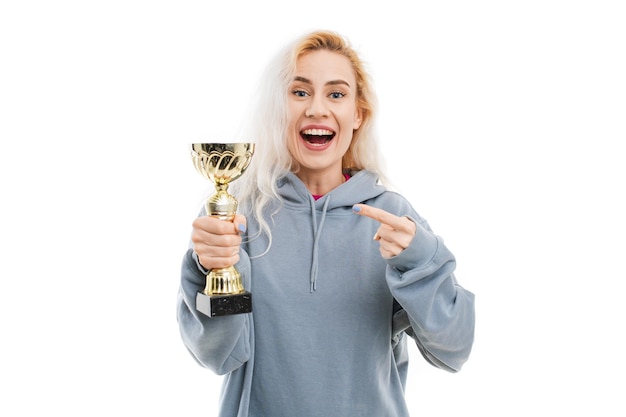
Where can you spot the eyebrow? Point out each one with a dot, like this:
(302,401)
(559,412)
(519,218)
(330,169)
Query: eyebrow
(332,82)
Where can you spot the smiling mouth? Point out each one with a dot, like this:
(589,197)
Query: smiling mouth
(317,136)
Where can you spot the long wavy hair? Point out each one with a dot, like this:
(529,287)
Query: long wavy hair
(257,189)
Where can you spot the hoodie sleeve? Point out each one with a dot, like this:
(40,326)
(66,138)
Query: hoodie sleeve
(434,309)
(221,344)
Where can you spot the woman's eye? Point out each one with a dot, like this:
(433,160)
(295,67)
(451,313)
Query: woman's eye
(336,94)
(299,93)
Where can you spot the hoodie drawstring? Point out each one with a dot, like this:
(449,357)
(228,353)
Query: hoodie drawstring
(317,230)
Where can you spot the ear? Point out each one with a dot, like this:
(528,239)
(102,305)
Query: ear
(358,118)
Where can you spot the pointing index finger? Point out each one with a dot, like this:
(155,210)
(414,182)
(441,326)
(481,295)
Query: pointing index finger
(380,215)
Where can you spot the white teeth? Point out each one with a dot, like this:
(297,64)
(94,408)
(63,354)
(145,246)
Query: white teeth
(317,132)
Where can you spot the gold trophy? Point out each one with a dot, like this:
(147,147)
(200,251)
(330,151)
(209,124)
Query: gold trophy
(222,163)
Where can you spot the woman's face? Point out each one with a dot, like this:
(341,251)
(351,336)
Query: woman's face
(322,111)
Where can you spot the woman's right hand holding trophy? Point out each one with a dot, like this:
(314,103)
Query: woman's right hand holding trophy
(217,242)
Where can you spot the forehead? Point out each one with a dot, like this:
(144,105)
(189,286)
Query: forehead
(324,65)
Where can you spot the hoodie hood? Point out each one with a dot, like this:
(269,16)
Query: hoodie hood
(362,186)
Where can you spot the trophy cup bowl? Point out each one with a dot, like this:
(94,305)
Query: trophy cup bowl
(222,163)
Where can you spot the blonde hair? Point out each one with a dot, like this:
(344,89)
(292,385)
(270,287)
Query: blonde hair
(256,190)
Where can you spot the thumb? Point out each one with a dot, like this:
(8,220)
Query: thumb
(241,224)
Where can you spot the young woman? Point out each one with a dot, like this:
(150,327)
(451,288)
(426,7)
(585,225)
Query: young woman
(342,271)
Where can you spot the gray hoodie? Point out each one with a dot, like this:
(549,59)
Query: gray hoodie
(328,331)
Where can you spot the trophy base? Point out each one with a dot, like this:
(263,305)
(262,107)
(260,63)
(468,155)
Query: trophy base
(224,305)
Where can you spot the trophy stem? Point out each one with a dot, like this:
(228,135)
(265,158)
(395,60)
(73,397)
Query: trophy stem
(223,281)
(221,204)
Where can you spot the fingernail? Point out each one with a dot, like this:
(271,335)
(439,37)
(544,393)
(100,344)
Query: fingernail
(376,237)
(242,228)
(356,208)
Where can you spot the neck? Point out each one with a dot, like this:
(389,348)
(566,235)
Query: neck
(321,183)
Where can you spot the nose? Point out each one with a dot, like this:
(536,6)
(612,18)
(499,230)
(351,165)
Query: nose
(317,107)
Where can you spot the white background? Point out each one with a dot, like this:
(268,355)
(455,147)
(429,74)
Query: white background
(502,121)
